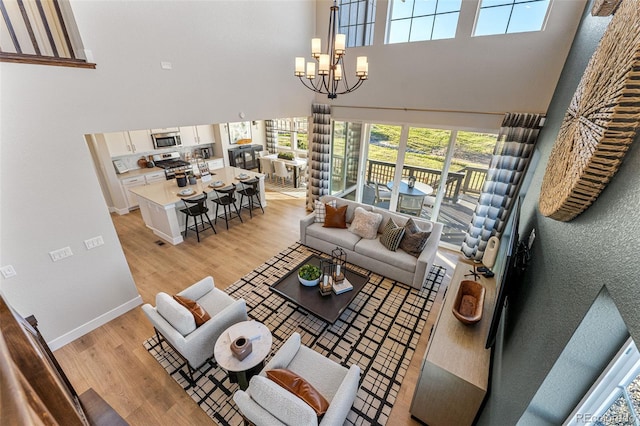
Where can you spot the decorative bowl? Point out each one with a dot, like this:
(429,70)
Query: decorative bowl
(469,302)
(308,283)
(308,271)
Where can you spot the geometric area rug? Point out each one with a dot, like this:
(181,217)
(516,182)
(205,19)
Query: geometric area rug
(379,331)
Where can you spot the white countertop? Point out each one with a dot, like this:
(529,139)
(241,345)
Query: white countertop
(165,193)
(139,172)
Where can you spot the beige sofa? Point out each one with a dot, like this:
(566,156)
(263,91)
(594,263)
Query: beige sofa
(370,253)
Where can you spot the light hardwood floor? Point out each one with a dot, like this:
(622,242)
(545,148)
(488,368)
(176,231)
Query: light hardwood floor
(112,360)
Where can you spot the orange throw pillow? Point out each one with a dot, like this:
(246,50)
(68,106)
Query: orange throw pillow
(199,314)
(336,217)
(299,387)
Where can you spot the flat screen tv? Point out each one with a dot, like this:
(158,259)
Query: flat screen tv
(511,272)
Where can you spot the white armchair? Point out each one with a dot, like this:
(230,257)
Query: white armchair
(267,403)
(175,324)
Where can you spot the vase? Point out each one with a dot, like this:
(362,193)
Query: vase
(241,347)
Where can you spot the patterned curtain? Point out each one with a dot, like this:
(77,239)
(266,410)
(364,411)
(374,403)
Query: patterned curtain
(320,154)
(516,140)
(271,135)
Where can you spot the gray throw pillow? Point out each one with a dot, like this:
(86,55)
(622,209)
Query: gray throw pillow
(414,239)
(391,235)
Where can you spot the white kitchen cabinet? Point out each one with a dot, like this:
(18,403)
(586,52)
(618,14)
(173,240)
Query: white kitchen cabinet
(155,177)
(165,130)
(188,136)
(205,134)
(141,141)
(126,143)
(132,199)
(118,143)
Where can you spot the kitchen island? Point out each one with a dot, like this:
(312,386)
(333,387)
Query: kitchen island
(160,203)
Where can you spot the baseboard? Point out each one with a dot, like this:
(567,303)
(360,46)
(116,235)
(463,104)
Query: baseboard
(94,323)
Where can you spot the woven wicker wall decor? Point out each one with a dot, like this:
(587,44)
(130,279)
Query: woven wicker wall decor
(600,123)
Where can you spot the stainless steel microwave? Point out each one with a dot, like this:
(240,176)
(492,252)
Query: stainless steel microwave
(166,140)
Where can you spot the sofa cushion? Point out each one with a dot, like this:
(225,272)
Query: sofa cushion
(281,403)
(415,238)
(321,211)
(336,217)
(300,388)
(391,235)
(351,205)
(375,250)
(199,314)
(177,315)
(336,236)
(365,224)
(399,219)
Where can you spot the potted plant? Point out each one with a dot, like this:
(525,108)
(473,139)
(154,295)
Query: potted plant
(286,155)
(309,275)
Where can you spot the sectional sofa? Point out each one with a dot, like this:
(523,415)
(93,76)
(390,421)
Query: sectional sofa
(371,253)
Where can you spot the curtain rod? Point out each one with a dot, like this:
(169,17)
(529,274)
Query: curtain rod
(419,110)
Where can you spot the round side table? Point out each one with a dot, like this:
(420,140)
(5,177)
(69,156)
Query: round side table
(241,371)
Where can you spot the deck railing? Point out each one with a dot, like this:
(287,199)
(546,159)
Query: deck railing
(467,180)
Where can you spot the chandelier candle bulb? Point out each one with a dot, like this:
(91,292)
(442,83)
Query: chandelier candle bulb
(341,41)
(337,74)
(311,70)
(323,64)
(300,66)
(316,47)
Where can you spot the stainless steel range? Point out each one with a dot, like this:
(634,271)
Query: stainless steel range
(171,163)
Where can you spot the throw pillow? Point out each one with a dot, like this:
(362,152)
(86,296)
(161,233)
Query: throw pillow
(336,217)
(177,315)
(392,235)
(299,387)
(199,314)
(321,211)
(281,403)
(365,224)
(414,239)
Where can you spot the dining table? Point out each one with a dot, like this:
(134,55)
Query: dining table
(296,163)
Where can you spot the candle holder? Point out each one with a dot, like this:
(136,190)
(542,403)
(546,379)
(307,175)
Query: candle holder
(412,181)
(326,281)
(339,260)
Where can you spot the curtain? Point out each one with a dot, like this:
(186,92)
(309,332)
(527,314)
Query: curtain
(320,154)
(271,136)
(511,155)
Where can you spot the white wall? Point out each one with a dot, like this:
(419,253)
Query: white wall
(227,57)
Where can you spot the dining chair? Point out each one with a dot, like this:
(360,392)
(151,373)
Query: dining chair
(281,170)
(383,195)
(266,167)
(196,207)
(410,204)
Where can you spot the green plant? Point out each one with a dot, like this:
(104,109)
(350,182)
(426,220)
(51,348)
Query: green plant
(286,155)
(309,272)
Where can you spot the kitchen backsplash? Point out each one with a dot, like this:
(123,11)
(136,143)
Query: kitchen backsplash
(186,153)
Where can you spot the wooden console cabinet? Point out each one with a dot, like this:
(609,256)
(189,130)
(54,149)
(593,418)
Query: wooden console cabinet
(455,370)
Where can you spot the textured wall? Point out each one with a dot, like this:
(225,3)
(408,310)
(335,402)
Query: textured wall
(571,263)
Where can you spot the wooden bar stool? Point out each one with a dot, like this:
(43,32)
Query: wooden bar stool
(251,191)
(226,198)
(196,207)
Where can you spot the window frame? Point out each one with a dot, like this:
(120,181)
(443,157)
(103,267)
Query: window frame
(513,3)
(365,20)
(414,17)
(293,126)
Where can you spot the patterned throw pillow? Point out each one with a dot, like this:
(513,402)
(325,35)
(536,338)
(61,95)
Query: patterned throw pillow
(391,235)
(321,211)
(365,224)
(414,239)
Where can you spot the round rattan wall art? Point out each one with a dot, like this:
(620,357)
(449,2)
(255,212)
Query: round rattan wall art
(600,123)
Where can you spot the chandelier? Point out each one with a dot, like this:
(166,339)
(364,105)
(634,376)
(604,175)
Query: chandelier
(330,78)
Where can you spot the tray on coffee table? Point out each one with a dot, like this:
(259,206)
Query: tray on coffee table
(328,308)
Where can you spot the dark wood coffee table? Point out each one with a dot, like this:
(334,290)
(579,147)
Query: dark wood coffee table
(330,307)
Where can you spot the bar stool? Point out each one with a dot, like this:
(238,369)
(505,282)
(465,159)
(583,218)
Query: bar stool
(196,207)
(251,191)
(226,198)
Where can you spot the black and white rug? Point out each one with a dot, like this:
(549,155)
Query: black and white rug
(379,331)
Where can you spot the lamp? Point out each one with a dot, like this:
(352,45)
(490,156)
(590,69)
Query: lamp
(330,78)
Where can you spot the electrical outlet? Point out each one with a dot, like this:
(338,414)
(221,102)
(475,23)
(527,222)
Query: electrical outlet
(8,271)
(60,254)
(93,242)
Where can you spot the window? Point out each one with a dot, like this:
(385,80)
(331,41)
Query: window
(40,32)
(418,20)
(615,398)
(510,16)
(292,133)
(356,21)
